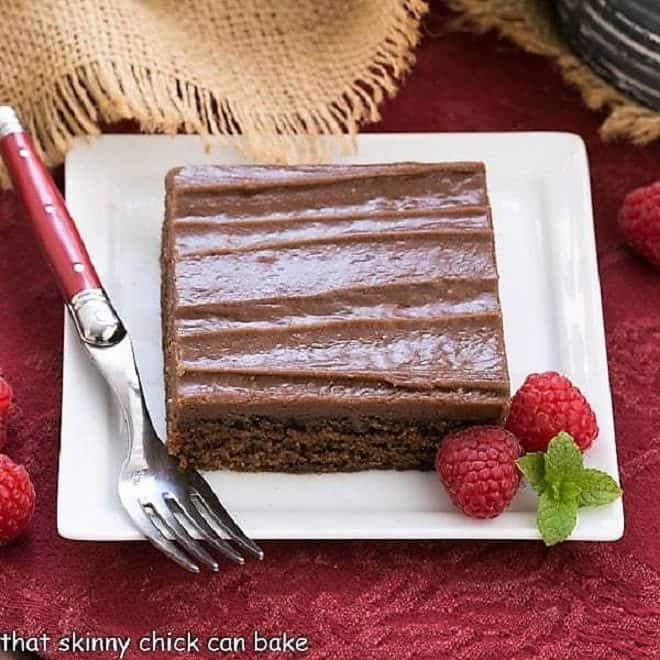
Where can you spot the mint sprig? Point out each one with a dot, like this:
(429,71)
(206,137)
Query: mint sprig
(564,485)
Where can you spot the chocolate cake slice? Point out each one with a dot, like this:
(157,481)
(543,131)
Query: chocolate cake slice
(328,318)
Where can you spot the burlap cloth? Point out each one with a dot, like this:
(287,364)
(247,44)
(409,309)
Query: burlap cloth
(214,67)
(255,67)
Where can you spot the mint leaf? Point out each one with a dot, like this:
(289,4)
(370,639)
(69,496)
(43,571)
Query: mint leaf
(532,465)
(568,490)
(563,485)
(597,488)
(563,461)
(555,518)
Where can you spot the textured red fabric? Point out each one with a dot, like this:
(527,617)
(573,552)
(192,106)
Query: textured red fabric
(374,599)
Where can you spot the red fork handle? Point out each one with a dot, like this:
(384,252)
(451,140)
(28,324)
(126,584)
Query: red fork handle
(51,222)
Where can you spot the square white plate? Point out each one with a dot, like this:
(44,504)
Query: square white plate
(539,189)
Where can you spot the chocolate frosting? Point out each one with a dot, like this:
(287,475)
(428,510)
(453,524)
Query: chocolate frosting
(336,289)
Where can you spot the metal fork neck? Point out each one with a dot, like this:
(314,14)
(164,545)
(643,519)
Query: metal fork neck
(117,365)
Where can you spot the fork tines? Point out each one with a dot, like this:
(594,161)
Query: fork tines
(174,523)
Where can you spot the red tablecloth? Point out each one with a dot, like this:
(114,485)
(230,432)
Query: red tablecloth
(374,599)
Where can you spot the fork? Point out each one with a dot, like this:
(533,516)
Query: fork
(171,507)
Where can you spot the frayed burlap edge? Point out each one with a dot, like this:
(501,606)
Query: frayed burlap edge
(531,25)
(78,103)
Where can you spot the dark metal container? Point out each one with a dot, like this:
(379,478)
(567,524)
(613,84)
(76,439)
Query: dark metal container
(620,40)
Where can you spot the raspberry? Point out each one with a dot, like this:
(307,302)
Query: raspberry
(6,396)
(478,468)
(639,220)
(546,404)
(16,499)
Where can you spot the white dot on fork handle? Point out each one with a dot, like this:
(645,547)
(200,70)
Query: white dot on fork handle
(78,267)
(49,208)
(23,152)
